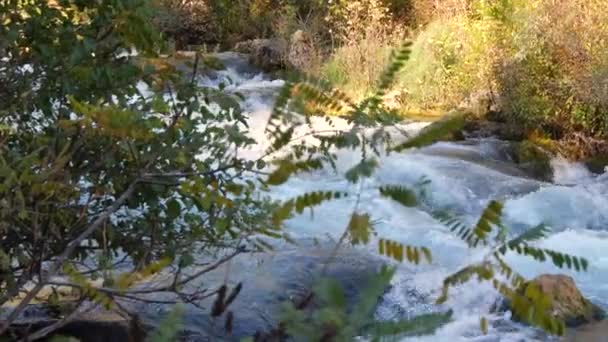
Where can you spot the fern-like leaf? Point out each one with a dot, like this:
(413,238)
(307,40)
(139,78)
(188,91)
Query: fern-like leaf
(169,328)
(530,235)
(420,325)
(286,168)
(433,133)
(490,217)
(368,298)
(403,195)
(400,252)
(298,204)
(483,271)
(398,60)
(126,280)
(364,169)
(360,228)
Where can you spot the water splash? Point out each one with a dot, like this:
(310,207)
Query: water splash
(464,177)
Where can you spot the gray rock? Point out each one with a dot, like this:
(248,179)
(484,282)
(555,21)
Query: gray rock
(266,54)
(301,51)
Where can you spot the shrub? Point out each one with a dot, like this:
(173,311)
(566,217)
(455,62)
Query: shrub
(185,22)
(364,34)
(557,77)
(545,61)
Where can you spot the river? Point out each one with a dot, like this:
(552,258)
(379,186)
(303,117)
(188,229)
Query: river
(464,177)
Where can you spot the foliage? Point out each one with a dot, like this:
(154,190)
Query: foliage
(226,22)
(363,34)
(183,21)
(329,321)
(170,327)
(436,131)
(334,321)
(107,161)
(525,299)
(541,62)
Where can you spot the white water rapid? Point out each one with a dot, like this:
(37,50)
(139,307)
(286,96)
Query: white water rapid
(463,176)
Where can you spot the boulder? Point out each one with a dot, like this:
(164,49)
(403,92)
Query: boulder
(534,160)
(301,51)
(598,164)
(481,102)
(266,54)
(567,302)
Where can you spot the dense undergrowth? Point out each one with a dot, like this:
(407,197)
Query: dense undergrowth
(542,65)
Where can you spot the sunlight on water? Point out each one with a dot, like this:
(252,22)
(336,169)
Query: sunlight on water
(464,177)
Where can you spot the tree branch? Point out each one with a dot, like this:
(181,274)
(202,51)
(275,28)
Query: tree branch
(56,266)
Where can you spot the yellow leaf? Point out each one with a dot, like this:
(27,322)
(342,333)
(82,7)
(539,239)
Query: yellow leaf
(483,324)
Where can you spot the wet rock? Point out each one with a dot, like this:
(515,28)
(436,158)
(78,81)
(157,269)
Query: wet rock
(476,127)
(268,281)
(266,54)
(597,164)
(481,102)
(92,326)
(567,302)
(534,160)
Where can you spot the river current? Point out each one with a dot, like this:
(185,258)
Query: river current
(464,177)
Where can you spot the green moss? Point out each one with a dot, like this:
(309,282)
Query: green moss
(534,160)
(212,62)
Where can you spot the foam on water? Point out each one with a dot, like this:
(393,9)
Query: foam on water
(568,173)
(464,177)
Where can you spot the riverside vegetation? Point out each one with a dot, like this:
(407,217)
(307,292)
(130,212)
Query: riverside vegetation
(539,65)
(114,171)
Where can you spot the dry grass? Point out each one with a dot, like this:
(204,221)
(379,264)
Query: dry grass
(364,34)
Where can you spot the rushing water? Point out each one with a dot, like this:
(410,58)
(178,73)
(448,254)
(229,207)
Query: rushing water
(464,177)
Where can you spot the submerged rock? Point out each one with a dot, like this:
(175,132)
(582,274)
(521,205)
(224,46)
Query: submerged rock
(268,281)
(567,302)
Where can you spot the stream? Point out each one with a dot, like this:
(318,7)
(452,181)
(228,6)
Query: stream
(464,177)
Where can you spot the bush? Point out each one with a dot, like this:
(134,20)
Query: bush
(557,77)
(185,22)
(545,61)
(364,33)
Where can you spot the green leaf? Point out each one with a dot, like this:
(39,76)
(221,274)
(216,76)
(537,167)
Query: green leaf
(401,194)
(364,169)
(330,292)
(434,132)
(368,298)
(359,228)
(173,208)
(420,325)
(287,168)
(297,205)
(400,252)
(483,271)
(483,324)
(170,327)
(186,260)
